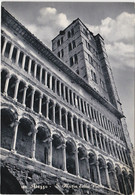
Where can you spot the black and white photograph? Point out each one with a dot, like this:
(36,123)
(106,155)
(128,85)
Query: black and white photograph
(67,97)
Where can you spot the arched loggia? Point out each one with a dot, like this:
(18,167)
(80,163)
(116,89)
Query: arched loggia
(7,128)
(42,144)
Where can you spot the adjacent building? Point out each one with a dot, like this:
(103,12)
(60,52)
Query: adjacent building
(62,126)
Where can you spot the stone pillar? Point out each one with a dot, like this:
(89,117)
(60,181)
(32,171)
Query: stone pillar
(60,88)
(68,96)
(35,70)
(16,90)
(96,139)
(16,124)
(64,156)
(72,125)
(82,129)
(54,105)
(92,141)
(76,162)
(124,185)
(116,180)
(66,120)
(40,103)
(32,99)
(50,152)
(72,98)
(17,56)
(60,116)
(87,164)
(112,149)
(29,65)
(86,130)
(34,143)
(50,84)
(107,176)
(77,127)
(46,78)
(47,108)
(99,178)
(11,51)
(84,108)
(101,142)
(104,144)
(23,61)
(4,47)
(24,95)
(6,84)
(40,77)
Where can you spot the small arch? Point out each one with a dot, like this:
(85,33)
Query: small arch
(111,173)
(102,170)
(11,86)
(70,157)
(7,128)
(93,167)
(42,143)
(83,162)
(25,137)
(57,155)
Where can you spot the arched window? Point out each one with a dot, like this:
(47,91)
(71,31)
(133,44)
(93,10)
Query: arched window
(11,86)
(120,180)
(111,173)
(7,128)
(70,158)
(102,172)
(25,137)
(42,144)
(57,156)
(93,168)
(83,166)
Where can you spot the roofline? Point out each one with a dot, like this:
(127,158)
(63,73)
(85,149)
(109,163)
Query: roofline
(45,52)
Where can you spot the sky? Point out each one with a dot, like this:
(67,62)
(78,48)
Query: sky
(114,21)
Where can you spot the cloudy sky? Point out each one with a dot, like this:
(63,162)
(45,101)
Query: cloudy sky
(114,21)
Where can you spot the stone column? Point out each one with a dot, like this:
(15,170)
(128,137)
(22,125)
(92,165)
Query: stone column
(116,180)
(123,156)
(64,156)
(54,105)
(99,178)
(72,126)
(35,70)
(50,84)
(16,90)
(50,152)
(76,162)
(46,78)
(66,120)
(84,107)
(86,129)
(47,108)
(107,176)
(92,141)
(101,142)
(23,61)
(64,92)
(40,77)
(29,65)
(87,164)
(16,124)
(11,51)
(77,127)
(60,88)
(32,99)
(24,95)
(96,139)
(40,103)
(6,84)
(34,143)
(4,47)
(82,129)
(104,144)
(60,116)
(73,103)
(17,56)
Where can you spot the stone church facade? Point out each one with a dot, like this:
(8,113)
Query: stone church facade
(62,126)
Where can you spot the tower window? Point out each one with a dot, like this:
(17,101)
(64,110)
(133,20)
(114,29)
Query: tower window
(58,43)
(93,76)
(69,47)
(76,59)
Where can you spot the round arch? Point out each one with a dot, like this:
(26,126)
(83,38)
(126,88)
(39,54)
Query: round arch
(8,119)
